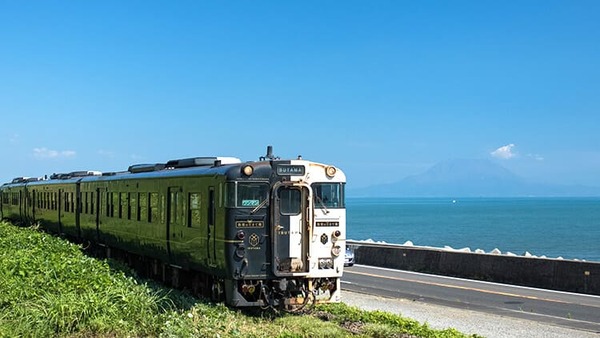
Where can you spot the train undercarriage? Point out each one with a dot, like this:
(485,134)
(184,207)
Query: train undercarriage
(279,294)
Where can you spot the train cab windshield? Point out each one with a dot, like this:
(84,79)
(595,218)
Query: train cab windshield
(328,195)
(246,194)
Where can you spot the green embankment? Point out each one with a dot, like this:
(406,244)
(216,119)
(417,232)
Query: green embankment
(48,287)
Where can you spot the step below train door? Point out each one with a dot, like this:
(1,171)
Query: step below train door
(291,217)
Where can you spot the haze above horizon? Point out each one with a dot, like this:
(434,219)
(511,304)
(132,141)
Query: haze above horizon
(383,90)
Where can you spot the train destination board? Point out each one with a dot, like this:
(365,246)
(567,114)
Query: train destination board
(292,170)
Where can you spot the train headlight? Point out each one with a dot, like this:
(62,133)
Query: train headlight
(240,235)
(325,263)
(336,250)
(240,251)
(335,235)
(330,171)
(248,170)
(322,264)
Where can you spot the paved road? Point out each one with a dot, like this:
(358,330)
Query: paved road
(571,310)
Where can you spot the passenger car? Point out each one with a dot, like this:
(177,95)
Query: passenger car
(349,257)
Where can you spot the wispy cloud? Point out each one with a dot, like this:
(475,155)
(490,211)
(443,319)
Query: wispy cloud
(106,153)
(14,139)
(45,153)
(505,152)
(536,157)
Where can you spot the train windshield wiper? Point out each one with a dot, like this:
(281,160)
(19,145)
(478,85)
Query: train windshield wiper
(322,204)
(260,205)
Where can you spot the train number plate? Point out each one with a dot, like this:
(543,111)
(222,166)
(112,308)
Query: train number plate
(249,224)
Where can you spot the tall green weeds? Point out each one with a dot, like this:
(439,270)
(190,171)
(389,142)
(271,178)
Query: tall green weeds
(48,287)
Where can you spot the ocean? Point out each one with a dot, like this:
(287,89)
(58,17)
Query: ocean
(551,227)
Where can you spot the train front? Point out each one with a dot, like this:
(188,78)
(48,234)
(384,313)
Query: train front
(289,234)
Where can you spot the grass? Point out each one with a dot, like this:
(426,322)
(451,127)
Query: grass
(50,288)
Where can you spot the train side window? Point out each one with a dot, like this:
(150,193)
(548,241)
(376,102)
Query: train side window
(92,202)
(133,207)
(115,202)
(119,203)
(153,209)
(194,212)
(230,193)
(123,205)
(86,206)
(143,207)
(109,205)
(174,205)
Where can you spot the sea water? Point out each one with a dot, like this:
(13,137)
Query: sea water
(551,227)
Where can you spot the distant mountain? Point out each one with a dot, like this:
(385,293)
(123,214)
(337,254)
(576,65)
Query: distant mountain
(469,178)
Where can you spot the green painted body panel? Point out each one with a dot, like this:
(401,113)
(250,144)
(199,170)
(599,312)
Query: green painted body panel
(143,219)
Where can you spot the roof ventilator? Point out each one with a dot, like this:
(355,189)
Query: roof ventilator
(201,162)
(145,168)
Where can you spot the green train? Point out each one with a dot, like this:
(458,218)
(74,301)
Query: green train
(267,233)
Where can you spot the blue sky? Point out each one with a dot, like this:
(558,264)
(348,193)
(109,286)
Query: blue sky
(381,89)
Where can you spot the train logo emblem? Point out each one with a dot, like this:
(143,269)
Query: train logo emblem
(254,240)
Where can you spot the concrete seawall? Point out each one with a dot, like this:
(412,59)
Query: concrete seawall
(553,274)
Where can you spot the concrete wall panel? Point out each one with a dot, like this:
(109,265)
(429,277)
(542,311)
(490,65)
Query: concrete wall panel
(554,274)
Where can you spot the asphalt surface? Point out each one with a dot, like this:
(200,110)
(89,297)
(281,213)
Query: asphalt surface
(569,310)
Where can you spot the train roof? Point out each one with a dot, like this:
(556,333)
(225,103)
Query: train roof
(193,166)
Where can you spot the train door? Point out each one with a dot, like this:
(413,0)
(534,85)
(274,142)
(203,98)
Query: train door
(174,218)
(78,208)
(25,204)
(211,235)
(21,207)
(98,210)
(291,219)
(33,205)
(60,210)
